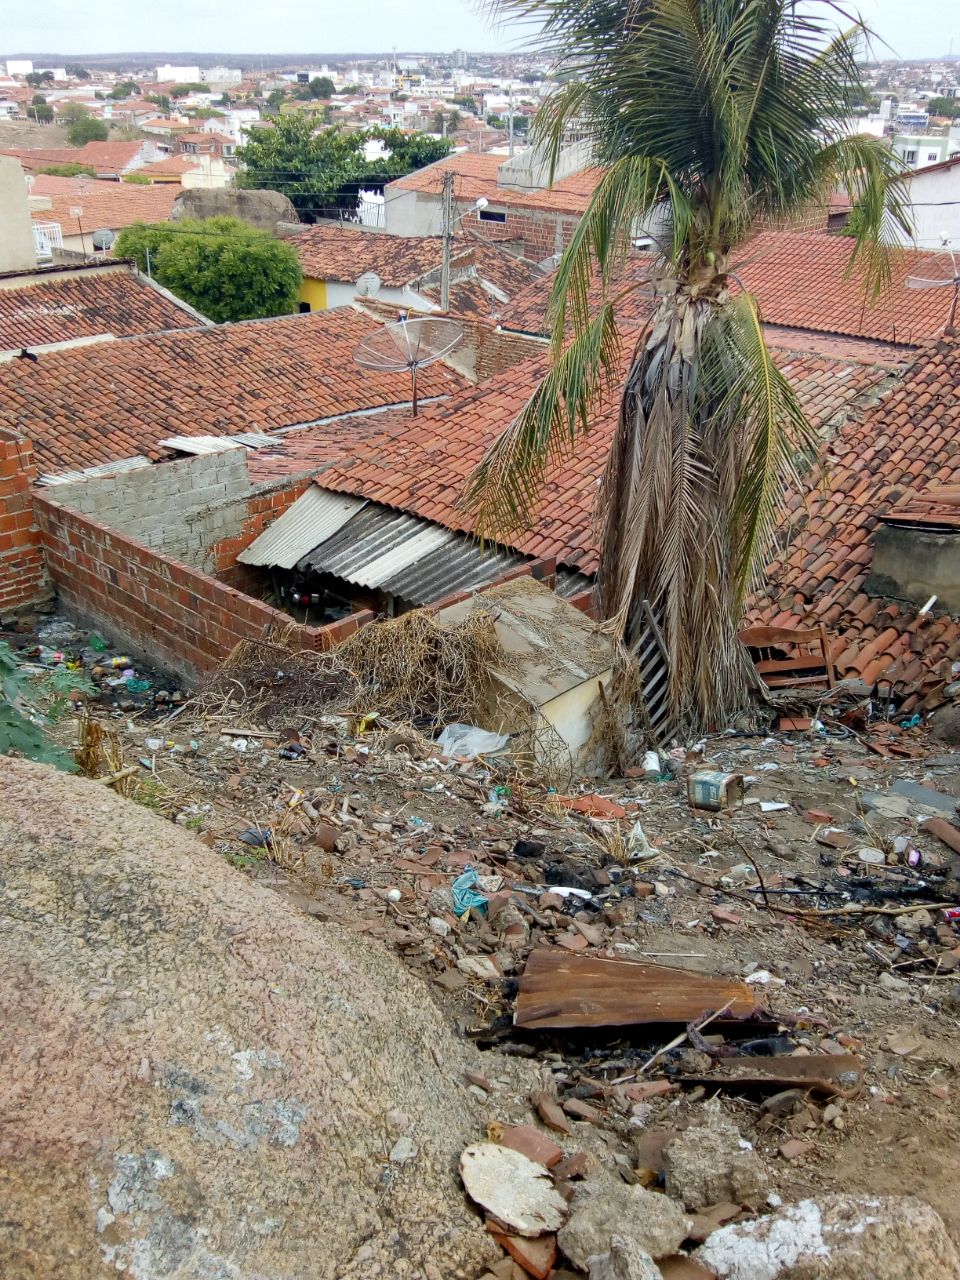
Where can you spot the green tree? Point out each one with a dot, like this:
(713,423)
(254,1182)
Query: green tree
(77,72)
(36,78)
(949,107)
(138,179)
(225,268)
(184,90)
(275,97)
(126,89)
(40,109)
(324,170)
(71,112)
(468,104)
(707,116)
(86,129)
(319,87)
(446,122)
(159,100)
(70,171)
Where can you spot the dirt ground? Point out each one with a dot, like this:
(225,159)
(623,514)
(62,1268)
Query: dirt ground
(27,133)
(371,829)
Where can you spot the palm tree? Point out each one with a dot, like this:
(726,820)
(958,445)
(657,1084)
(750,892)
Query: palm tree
(708,116)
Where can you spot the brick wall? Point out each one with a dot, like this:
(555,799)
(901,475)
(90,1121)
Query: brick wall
(180,508)
(260,509)
(23,577)
(178,616)
(540,232)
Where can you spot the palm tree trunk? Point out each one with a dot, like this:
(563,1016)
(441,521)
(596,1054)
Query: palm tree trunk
(666,498)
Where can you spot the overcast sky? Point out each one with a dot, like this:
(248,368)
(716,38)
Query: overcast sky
(914,28)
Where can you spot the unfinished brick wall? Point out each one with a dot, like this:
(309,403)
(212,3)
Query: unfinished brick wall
(262,508)
(23,576)
(174,614)
(180,507)
(542,233)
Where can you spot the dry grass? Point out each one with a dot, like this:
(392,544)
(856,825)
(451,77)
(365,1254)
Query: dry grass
(99,754)
(410,669)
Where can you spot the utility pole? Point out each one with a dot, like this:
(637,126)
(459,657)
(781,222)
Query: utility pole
(510,100)
(447,238)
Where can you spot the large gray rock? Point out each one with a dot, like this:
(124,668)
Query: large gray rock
(836,1238)
(197,1082)
(639,1218)
(263,209)
(710,1163)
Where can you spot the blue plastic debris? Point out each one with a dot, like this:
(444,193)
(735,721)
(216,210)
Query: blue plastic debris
(465,895)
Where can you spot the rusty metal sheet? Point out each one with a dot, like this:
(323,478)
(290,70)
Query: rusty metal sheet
(558,990)
(828,1075)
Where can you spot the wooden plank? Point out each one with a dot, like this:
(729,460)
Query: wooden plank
(558,990)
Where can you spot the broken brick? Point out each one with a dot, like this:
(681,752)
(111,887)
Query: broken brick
(581,1110)
(535,1256)
(794,1148)
(649,1089)
(817,817)
(574,1166)
(533,1144)
(721,915)
(550,1112)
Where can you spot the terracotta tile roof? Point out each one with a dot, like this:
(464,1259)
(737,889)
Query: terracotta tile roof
(309,449)
(170,166)
(58,308)
(334,251)
(908,441)
(105,157)
(421,467)
(476,176)
(104,204)
(112,400)
(801,282)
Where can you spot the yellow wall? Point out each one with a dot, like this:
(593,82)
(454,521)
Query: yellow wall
(314,292)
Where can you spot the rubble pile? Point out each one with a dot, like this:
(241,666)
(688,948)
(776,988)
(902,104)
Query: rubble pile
(729,980)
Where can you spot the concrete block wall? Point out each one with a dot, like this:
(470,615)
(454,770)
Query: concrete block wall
(23,575)
(172,613)
(180,508)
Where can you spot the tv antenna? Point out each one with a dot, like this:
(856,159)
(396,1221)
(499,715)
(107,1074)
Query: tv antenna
(950,279)
(368,286)
(408,344)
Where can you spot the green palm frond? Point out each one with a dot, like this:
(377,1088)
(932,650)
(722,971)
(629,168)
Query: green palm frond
(504,489)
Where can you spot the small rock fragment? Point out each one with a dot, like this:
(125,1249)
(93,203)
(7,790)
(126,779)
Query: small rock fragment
(645,1219)
(625,1261)
(711,1162)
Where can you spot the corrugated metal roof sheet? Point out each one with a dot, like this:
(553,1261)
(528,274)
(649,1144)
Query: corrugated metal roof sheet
(213,444)
(315,516)
(407,557)
(94,473)
(458,566)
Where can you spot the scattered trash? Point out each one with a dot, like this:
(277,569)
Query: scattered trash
(710,789)
(465,893)
(466,741)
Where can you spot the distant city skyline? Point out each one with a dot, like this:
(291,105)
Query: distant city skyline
(249,27)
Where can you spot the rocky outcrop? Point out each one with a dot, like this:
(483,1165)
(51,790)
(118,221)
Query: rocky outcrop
(195,1081)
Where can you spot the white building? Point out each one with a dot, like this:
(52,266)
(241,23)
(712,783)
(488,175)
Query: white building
(19,67)
(233,121)
(179,75)
(918,150)
(221,77)
(935,199)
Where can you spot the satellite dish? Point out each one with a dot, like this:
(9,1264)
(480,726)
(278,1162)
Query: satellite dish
(103,239)
(408,344)
(368,286)
(945,274)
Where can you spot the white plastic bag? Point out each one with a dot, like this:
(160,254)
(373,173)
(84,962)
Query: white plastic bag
(467,741)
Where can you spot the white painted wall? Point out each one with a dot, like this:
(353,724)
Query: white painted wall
(412,213)
(16,227)
(935,199)
(341,294)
